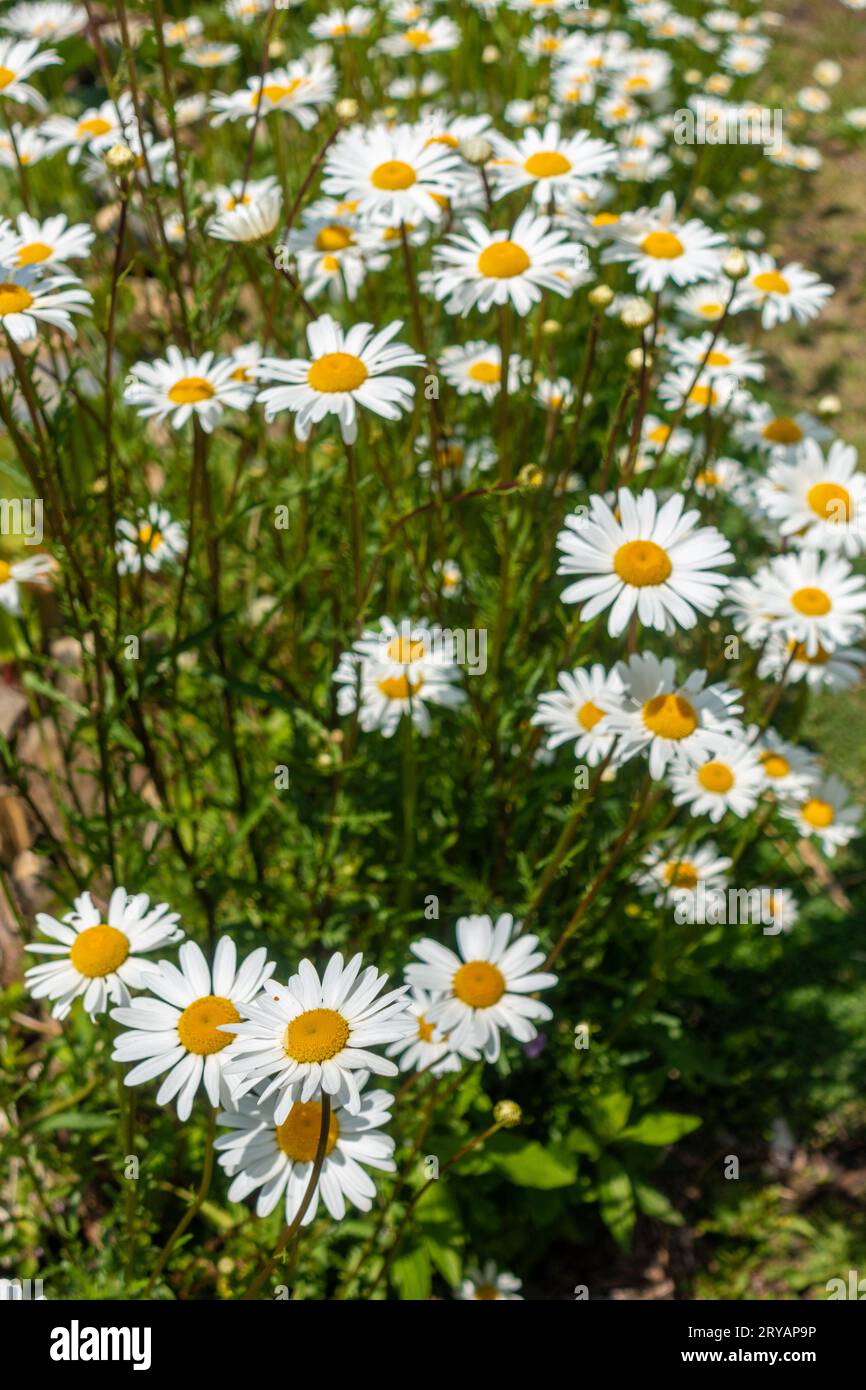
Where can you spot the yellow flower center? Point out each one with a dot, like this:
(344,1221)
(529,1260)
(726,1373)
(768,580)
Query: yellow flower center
(588,715)
(6,76)
(711,310)
(190,390)
(334,238)
(814,603)
(392,175)
(418,38)
(798,651)
(197,1026)
(662,246)
(703,395)
(275,92)
(399,687)
(240,374)
(771,282)
(5,571)
(298,1136)
(237,202)
(489,1292)
(503,260)
(681,874)
(830,501)
(425,1029)
(660,435)
(35,252)
(99,950)
(605,219)
(716,777)
(547,164)
(94,125)
(718,359)
(817,813)
(450,140)
(669,716)
(316,1035)
(337,371)
(404,650)
(641,563)
(14,299)
(775,765)
(782,431)
(637,84)
(487,372)
(150,537)
(479,984)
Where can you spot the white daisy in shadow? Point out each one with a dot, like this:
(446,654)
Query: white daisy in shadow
(19,59)
(428,1048)
(34,569)
(489,1285)
(572,713)
(487,987)
(826,814)
(179,1031)
(177,387)
(316,1034)
(96,955)
(275,1159)
(730,779)
(26,301)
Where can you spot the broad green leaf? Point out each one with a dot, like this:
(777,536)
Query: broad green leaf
(654,1203)
(411,1274)
(664,1127)
(528,1164)
(608,1115)
(616,1198)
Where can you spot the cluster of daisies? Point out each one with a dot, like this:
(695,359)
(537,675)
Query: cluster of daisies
(265,1053)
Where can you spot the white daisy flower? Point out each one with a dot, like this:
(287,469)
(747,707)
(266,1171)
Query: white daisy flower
(457,459)
(397,672)
(730,779)
(352,23)
(783,908)
(49,244)
(436,36)
(554,394)
(300,89)
(19,59)
(21,145)
(96,129)
(788,769)
(150,542)
(392,170)
(548,162)
(820,503)
(346,370)
(655,713)
(776,434)
(719,358)
(26,301)
(178,31)
(181,1030)
(46,20)
(276,1160)
(706,301)
(247,10)
(315,1035)
(781,294)
(479,268)
(210,55)
(35,569)
(657,246)
(228,197)
(722,476)
(654,561)
(708,392)
(253,220)
(489,1283)
(667,877)
(450,577)
(834,670)
(826,814)
(813,599)
(427,1048)
(573,712)
(476,369)
(487,987)
(658,437)
(98,955)
(178,387)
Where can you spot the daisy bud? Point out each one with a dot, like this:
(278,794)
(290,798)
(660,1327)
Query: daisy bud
(120,159)
(735,265)
(507,1113)
(490,54)
(475,150)
(601,296)
(636,313)
(276,48)
(609,774)
(347,109)
(694,76)
(635,359)
(719,84)
(530,476)
(390,113)
(551,327)
(827,72)
(829,405)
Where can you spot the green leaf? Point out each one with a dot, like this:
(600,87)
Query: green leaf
(655,1204)
(411,1274)
(73,1119)
(616,1197)
(664,1127)
(580,1141)
(528,1164)
(608,1115)
(447,1260)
